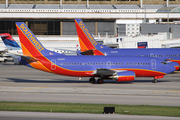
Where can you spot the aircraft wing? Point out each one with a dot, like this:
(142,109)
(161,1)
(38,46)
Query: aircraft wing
(119,75)
(88,52)
(92,52)
(22,57)
(65,51)
(29,59)
(107,72)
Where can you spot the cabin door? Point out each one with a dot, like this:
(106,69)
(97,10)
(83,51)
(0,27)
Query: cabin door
(108,64)
(53,64)
(153,64)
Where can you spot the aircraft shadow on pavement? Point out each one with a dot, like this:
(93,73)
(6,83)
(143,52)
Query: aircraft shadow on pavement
(18,80)
(45,81)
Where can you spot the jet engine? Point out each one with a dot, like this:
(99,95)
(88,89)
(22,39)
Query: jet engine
(124,76)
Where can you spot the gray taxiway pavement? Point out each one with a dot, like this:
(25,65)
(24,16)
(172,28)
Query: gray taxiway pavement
(20,83)
(75,116)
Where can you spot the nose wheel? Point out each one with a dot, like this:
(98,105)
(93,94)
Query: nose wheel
(154,81)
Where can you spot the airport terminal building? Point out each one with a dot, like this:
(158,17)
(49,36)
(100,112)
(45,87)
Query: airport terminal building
(52,17)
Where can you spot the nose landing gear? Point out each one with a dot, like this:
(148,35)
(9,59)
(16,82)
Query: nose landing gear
(154,81)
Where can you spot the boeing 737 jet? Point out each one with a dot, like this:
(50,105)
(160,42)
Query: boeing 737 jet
(120,68)
(89,46)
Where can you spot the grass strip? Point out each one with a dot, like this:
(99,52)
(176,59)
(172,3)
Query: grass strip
(90,108)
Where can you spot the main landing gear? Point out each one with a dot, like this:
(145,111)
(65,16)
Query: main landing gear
(93,80)
(100,81)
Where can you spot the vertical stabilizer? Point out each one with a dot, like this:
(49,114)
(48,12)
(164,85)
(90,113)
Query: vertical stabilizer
(31,46)
(9,41)
(86,40)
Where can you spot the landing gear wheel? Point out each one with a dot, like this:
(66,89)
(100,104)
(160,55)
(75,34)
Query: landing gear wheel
(154,81)
(100,81)
(92,80)
(5,60)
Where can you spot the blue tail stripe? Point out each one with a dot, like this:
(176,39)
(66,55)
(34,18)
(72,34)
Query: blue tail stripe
(11,43)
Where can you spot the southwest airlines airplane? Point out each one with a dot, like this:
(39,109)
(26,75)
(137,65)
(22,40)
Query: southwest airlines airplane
(89,46)
(104,67)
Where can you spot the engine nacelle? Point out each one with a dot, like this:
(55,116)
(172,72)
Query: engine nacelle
(124,76)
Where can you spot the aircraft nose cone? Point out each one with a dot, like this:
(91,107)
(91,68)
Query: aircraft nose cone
(170,68)
(175,65)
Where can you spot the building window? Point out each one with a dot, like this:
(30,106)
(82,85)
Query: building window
(44,28)
(122,0)
(8,27)
(94,0)
(64,0)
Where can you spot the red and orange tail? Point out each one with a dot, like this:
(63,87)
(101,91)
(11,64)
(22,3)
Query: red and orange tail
(86,40)
(35,55)
(29,43)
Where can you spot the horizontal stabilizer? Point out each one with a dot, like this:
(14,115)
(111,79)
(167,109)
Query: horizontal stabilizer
(28,59)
